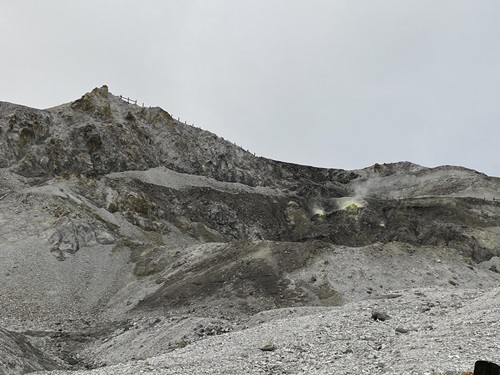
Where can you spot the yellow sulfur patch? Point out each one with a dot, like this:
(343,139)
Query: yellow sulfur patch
(351,207)
(349,203)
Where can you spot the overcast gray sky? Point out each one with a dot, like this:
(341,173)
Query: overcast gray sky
(339,84)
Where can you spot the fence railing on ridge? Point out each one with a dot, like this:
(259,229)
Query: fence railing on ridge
(128,100)
(132,101)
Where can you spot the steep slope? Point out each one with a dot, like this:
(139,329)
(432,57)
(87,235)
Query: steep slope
(19,356)
(120,223)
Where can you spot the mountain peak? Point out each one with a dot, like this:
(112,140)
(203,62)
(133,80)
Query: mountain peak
(95,102)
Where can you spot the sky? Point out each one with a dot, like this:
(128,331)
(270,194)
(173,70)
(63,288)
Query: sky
(329,83)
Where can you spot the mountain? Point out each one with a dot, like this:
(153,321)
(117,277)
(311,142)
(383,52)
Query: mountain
(127,234)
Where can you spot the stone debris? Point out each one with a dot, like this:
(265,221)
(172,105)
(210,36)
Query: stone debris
(268,347)
(380,316)
(401,330)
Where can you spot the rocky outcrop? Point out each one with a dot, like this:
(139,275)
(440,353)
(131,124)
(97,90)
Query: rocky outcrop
(71,234)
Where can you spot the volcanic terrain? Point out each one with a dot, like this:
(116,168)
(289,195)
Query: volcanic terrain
(134,243)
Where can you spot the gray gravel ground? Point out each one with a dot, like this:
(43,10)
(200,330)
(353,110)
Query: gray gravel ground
(430,331)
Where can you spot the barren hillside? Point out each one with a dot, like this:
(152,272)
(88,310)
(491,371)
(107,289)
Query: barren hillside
(133,242)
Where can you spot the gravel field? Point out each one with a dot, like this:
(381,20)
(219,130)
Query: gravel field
(429,331)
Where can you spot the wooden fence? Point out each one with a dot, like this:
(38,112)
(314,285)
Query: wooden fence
(128,100)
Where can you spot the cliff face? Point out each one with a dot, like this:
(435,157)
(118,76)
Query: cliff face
(111,211)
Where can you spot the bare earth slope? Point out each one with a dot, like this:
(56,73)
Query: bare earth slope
(136,242)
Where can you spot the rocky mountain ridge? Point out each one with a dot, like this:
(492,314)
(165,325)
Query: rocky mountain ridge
(120,224)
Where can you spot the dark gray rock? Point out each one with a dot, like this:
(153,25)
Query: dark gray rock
(268,347)
(380,316)
(401,330)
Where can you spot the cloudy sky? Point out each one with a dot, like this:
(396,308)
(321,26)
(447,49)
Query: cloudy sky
(339,84)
